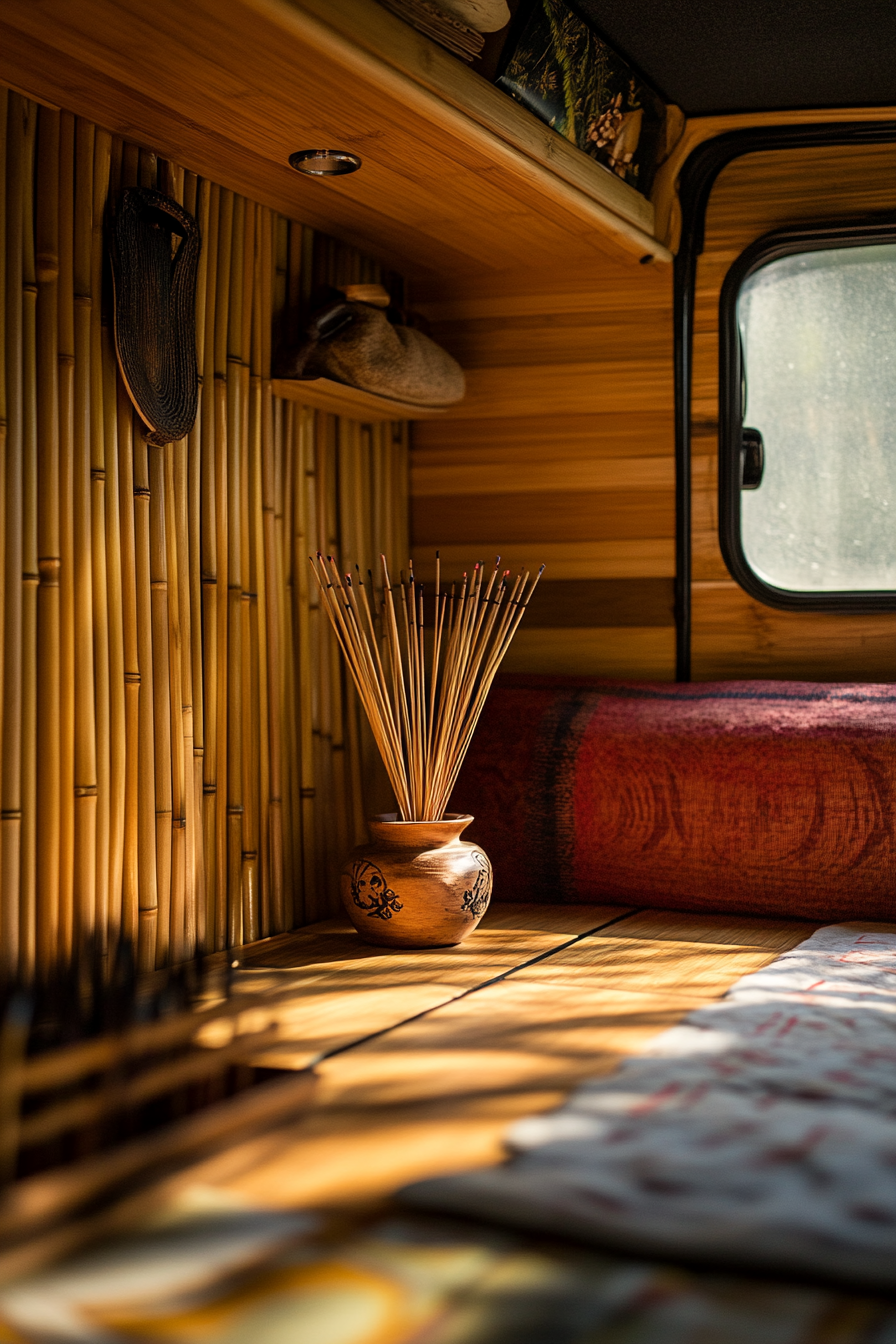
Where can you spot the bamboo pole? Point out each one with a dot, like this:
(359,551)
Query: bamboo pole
(152,937)
(270,637)
(106,597)
(49,725)
(29,561)
(215,936)
(163,745)
(263,319)
(123,575)
(249,596)
(8,955)
(89,893)
(301,699)
(14,448)
(282,672)
(234,663)
(65,745)
(183,932)
(223,487)
(198,197)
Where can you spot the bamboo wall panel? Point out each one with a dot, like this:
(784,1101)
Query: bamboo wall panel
(734,636)
(182,764)
(562,454)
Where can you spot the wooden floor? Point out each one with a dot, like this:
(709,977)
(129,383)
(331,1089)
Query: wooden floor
(424,1058)
(420,1062)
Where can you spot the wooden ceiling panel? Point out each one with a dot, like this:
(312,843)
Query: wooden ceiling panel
(231,90)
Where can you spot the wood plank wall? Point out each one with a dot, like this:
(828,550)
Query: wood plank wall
(563,449)
(733,635)
(563,454)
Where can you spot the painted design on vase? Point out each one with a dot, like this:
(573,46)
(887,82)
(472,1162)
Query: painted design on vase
(475,901)
(371,892)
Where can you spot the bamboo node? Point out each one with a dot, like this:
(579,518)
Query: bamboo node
(85,791)
(49,567)
(46,267)
(30,580)
(10,814)
(97,474)
(143,491)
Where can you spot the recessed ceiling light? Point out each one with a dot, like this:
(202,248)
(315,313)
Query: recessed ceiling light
(324,162)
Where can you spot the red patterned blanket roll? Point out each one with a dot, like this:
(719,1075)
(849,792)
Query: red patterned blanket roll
(763,797)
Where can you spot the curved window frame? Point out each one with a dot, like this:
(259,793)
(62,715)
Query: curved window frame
(771,247)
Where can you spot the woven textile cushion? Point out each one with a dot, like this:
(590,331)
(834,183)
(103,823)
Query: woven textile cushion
(770,798)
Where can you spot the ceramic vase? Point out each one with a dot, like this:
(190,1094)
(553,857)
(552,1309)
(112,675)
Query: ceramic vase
(416,884)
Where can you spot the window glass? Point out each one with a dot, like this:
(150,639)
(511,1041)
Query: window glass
(818,332)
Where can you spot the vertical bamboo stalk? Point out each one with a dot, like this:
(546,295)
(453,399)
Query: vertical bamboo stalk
(130,165)
(301,488)
(148,169)
(183,930)
(235,586)
(223,486)
(177,508)
(197,197)
(8,956)
(281,665)
(66,384)
(11,767)
(249,728)
(161,692)
(90,913)
(152,936)
(29,560)
(106,575)
(49,783)
(270,636)
(215,936)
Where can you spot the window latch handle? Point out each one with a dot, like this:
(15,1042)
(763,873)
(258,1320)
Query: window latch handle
(752,459)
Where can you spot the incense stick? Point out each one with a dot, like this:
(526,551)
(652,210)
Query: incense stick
(423,733)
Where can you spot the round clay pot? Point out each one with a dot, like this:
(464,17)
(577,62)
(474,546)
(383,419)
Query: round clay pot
(417,884)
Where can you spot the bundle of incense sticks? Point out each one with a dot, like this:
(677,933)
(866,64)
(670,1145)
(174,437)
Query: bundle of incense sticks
(423,710)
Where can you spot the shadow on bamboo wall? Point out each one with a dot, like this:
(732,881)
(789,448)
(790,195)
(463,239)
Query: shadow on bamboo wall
(181,764)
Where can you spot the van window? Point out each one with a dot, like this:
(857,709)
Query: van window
(818,475)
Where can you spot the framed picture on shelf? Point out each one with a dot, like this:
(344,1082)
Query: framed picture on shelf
(563,71)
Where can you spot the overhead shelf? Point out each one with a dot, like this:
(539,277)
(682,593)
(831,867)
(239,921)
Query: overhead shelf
(327,395)
(458,182)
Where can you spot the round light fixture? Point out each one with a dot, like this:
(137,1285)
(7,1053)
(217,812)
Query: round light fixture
(324,162)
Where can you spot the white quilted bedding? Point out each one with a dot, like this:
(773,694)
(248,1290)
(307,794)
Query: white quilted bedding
(760,1132)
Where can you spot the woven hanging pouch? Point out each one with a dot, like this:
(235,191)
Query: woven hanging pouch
(154,246)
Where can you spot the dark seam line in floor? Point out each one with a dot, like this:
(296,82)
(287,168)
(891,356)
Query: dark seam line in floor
(495,979)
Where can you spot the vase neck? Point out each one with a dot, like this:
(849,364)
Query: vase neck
(388,829)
